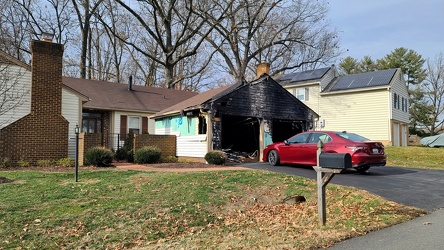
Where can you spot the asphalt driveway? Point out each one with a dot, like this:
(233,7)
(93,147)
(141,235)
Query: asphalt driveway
(420,188)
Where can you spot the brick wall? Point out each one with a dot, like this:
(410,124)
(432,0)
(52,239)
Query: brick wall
(42,134)
(166,143)
(91,140)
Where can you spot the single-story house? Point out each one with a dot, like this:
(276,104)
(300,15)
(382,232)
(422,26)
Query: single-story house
(40,125)
(373,104)
(242,117)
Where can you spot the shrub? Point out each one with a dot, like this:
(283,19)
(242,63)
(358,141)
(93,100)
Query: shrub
(45,163)
(216,157)
(66,162)
(5,162)
(121,154)
(169,159)
(98,156)
(147,155)
(23,163)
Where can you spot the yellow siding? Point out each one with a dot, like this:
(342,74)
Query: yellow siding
(365,113)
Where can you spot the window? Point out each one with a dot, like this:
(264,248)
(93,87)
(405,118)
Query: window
(395,101)
(202,125)
(134,124)
(301,93)
(316,137)
(300,138)
(404,104)
(91,123)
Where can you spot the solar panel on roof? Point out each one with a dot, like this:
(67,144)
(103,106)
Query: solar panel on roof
(304,75)
(369,79)
(288,77)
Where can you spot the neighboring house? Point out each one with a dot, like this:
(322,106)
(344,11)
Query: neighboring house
(243,117)
(15,77)
(41,126)
(37,130)
(113,110)
(372,104)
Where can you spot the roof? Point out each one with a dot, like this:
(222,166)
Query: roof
(116,96)
(309,75)
(8,59)
(213,95)
(196,101)
(363,80)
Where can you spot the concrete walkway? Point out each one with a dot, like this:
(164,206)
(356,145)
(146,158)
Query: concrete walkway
(149,167)
(425,232)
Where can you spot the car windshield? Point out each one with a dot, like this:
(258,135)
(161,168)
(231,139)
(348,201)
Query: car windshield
(352,137)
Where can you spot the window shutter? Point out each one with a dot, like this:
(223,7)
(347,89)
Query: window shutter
(144,125)
(123,124)
(307,93)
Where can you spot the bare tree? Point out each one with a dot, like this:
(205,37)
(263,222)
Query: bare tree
(433,94)
(173,26)
(287,34)
(14,30)
(85,10)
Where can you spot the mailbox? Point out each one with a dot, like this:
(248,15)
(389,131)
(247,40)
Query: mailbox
(335,160)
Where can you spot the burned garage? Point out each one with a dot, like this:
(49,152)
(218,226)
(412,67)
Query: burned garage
(248,116)
(240,119)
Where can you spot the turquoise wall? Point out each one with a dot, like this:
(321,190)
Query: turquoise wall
(183,124)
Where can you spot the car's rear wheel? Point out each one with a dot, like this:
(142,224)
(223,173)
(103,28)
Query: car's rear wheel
(362,169)
(273,158)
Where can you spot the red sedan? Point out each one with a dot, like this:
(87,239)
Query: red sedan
(301,149)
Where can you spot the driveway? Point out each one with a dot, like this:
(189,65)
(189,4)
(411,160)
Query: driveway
(413,187)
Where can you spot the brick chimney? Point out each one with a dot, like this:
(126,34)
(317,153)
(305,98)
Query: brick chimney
(46,70)
(262,68)
(42,134)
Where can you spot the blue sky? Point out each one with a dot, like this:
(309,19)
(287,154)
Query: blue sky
(377,27)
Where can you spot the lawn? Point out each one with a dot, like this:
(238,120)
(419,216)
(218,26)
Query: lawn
(415,157)
(115,209)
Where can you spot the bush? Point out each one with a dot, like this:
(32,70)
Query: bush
(216,157)
(45,163)
(5,162)
(99,157)
(66,162)
(169,159)
(121,154)
(23,163)
(147,155)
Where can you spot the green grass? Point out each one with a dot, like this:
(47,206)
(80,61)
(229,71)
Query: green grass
(206,210)
(415,157)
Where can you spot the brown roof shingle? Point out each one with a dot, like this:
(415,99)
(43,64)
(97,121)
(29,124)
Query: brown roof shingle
(193,102)
(116,96)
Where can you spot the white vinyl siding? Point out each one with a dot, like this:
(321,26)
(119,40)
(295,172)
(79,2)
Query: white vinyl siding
(18,80)
(71,111)
(116,120)
(191,146)
(398,87)
(187,145)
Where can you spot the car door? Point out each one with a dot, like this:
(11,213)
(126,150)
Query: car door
(294,149)
(312,147)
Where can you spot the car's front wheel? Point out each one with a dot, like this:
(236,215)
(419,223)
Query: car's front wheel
(273,158)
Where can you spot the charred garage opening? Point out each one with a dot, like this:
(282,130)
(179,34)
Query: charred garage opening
(240,133)
(247,116)
(284,129)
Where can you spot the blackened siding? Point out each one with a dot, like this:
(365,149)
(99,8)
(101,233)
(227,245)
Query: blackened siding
(263,98)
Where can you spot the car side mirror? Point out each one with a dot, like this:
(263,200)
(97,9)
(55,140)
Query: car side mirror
(286,142)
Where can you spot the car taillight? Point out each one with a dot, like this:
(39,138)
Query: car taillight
(357,148)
